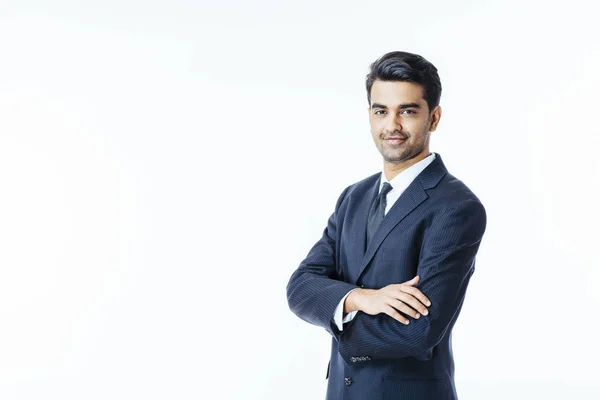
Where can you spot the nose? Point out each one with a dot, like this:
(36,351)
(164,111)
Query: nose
(393,123)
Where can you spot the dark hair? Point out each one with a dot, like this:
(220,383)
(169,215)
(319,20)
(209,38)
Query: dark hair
(407,67)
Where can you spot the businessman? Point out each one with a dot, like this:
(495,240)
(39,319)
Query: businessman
(389,276)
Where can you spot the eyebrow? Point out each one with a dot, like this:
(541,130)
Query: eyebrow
(401,106)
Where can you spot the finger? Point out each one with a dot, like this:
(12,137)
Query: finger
(412,302)
(389,310)
(413,281)
(417,294)
(403,307)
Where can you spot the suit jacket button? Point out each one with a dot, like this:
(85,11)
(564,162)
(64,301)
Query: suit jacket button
(362,286)
(348,381)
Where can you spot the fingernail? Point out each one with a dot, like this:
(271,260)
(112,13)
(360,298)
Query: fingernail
(417,316)
(428,303)
(425,312)
(406,322)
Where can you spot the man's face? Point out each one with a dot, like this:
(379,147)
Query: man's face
(400,120)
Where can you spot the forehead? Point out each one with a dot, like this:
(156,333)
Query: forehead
(393,93)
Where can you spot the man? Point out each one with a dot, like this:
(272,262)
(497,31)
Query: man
(389,275)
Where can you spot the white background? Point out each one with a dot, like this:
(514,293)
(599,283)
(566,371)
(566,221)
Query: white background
(165,166)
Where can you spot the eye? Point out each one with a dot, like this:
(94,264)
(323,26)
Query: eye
(410,111)
(377,112)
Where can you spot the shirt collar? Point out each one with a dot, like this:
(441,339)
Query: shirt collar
(404,178)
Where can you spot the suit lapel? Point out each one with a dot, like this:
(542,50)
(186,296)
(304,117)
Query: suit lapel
(414,195)
(362,215)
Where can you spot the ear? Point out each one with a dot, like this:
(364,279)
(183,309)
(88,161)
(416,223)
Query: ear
(436,114)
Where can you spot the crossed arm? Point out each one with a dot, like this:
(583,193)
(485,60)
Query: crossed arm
(445,267)
(446,264)
(314,289)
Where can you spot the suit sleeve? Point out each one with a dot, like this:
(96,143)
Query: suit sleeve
(445,266)
(339,317)
(314,289)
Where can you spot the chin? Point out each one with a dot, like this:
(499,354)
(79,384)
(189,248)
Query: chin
(394,159)
(394,154)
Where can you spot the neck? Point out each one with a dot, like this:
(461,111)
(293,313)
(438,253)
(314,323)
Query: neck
(391,169)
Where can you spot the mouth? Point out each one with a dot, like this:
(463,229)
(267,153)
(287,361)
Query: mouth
(395,140)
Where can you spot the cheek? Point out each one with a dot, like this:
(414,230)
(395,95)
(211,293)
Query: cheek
(416,127)
(377,127)
(374,130)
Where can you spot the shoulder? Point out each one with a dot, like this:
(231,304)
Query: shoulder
(356,189)
(455,214)
(359,187)
(364,184)
(452,192)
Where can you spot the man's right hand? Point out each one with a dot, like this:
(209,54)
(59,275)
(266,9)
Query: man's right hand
(390,300)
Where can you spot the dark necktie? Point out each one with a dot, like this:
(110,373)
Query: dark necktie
(377,211)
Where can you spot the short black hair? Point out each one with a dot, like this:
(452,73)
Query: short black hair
(407,67)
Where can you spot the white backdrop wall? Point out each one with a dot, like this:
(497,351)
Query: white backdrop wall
(165,166)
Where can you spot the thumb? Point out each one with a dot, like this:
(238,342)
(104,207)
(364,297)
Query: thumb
(413,281)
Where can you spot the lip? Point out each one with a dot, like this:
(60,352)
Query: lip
(395,140)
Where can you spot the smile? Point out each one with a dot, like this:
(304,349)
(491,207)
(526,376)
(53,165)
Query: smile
(395,141)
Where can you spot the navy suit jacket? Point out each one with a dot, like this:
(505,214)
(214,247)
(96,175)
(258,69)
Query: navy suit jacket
(433,230)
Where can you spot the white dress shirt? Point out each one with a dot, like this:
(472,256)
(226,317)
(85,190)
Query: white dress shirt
(399,184)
